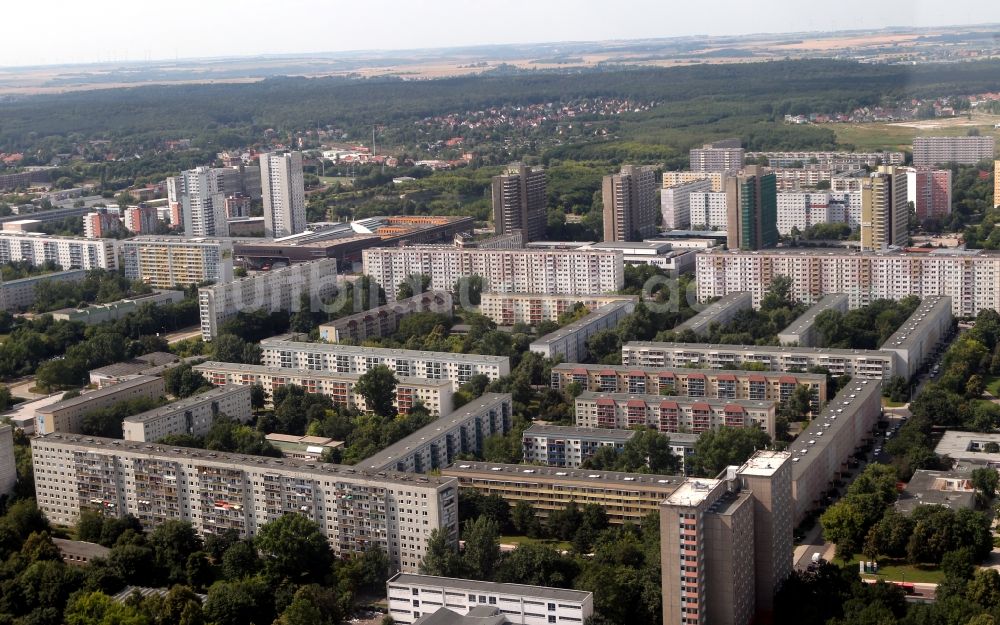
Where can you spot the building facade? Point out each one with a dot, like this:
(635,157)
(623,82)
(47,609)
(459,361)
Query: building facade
(141,219)
(885,216)
(8,462)
(719,312)
(675,201)
(752,210)
(192,415)
(570,342)
(506,309)
(100,224)
(201,198)
(19,295)
(567,446)
(802,331)
(719,156)
(67,415)
(166,262)
(384,320)
(930,151)
(36,248)
(519,202)
(716,178)
(283,192)
(629,204)
(930,191)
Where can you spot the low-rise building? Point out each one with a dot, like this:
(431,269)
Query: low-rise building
(506,309)
(384,320)
(672,414)
(414,596)
(192,415)
(978,447)
(658,253)
(951,489)
(146,364)
(19,295)
(436,445)
(99,313)
(78,552)
(570,341)
(719,312)
(567,446)
(67,415)
(302,447)
(802,332)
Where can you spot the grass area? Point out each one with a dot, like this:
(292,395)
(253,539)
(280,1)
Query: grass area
(993,385)
(888,403)
(559,545)
(878,136)
(900,571)
(343,180)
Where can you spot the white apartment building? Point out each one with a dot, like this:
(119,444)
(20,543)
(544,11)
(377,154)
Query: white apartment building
(550,272)
(36,248)
(278,289)
(506,309)
(166,262)
(708,210)
(570,341)
(929,151)
(217,491)
(8,463)
(414,596)
(675,201)
(971,278)
(459,368)
(569,446)
(833,160)
(192,415)
(435,395)
(672,414)
(804,210)
(283,190)
(202,200)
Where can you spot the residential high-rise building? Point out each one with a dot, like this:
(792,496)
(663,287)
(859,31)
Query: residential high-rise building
(752,210)
(630,204)
(885,216)
(719,156)
(996,183)
(100,224)
(519,201)
(36,248)
(8,463)
(930,191)
(141,219)
(165,262)
(930,151)
(675,202)
(283,188)
(717,179)
(201,201)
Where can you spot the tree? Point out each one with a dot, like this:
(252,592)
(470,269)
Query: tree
(378,387)
(648,450)
(240,560)
(844,525)
(482,548)
(441,558)
(469,290)
(985,480)
(779,294)
(239,603)
(173,543)
(313,605)
(294,547)
(720,447)
(537,565)
(525,520)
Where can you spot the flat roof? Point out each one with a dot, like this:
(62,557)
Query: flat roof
(113,389)
(838,251)
(838,414)
(741,299)
(235,367)
(679,399)
(571,366)
(570,431)
(243,461)
(961,446)
(44,276)
(935,488)
(692,492)
(603,479)
(188,402)
(772,349)
(657,247)
(765,462)
(280,342)
(805,321)
(909,332)
(582,322)
(432,431)
(524,590)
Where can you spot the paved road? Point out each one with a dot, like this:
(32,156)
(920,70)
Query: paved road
(180,335)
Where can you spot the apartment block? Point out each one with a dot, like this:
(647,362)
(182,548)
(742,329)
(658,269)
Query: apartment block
(971,278)
(567,446)
(675,201)
(716,178)
(519,202)
(752,210)
(436,445)
(921,334)
(802,332)
(629,204)
(8,463)
(275,290)
(929,151)
(283,192)
(839,161)
(141,219)
(719,156)
(166,262)
(201,200)
(570,341)
(412,596)
(506,309)
(626,497)
(435,395)
(996,183)
(100,224)
(217,491)
(821,452)
(384,320)
(864,363)
(688,382)
(36,248)
(885,215)
(708,209)
(67,415)
(801,211)
(547,272)
(672,414)
(930,191)
(719,312)
(19,295)
(192,415)
(99,313)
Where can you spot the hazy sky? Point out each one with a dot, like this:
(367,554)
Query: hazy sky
(75,31)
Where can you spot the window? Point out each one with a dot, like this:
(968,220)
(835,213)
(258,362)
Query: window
(552,618)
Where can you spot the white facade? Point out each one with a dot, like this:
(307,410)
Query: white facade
(570,341)
(278,289)
(802,211)
(708,210)
(192,415)
(68,252)
(570,272)
(201,196)
(509,308)
(283,190)
(568,446)
(166,262)
(8,463)
(675,202)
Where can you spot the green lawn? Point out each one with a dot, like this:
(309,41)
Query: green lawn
(899,571)
(558,545)
(993,384)
(886,402)
(876,136)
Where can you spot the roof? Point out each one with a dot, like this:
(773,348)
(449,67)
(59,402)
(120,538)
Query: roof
(764,462)
(805,321)
(738,300)
(286,342)
(136,365)
(572,431)
(968,446)
(932,306)
(189,402)
(521,590)
(145,591)
(481,615)
(692,492)
(771,349)
(838,414)
(113,389)
(604,479)
(584,322)
(952,489)
(81,548)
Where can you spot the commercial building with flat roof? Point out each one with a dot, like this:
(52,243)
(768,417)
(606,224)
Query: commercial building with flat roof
(436,445)
(570,341)
(153,363)
(952,489)
(719,312)
(672,414)
(568,446)
(865,363)
(802,332)
(19,295)
(302,447)
(384,320)
(970,447)
(355,510)
(506,309)
(67,415)
(665,255)
(686,382)
(99,313)
(166,262)
(192,415)
(413,596)
(921,334)
(435,395)
(281,351)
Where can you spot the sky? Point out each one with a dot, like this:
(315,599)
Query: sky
(41,32)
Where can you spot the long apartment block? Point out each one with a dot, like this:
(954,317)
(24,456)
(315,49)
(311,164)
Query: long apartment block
(67,415)
(36,248)
(413,596)
(384,320)
(686,382)
(921,334)
(570,341)
(435,395)
(215,492)
(802,331)
(626,497)
(570,446)
(276,290)
(459,368)
(506,309)
(971,278)
(720,312)
(192,415)
(166,262)
(864,363)
(18,295)
(436,445)
(551,272)
(672,414)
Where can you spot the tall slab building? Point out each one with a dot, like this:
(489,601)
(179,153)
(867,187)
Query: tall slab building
(519,202)
(630,204)
(283,191)
(752,210)
(885,216)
